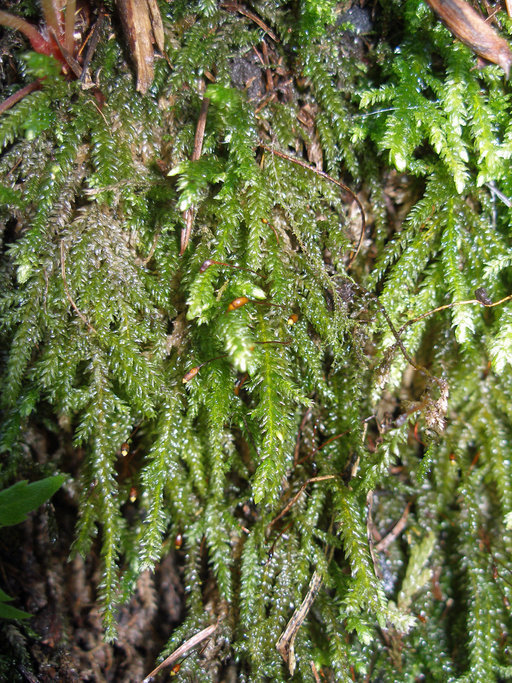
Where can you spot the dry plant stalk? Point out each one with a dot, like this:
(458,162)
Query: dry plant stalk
(142,25)
(332,180)
(469,27)
(286,643)
(188,214)
(395,531)
(182,650)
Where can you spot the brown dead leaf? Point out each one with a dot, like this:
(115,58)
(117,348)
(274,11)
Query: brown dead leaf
(142,25)
(469,27)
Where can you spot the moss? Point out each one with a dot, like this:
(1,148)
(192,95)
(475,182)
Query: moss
(102,319)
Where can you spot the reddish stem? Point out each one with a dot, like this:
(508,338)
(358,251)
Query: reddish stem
(70,26)
(36,39)
(19,95)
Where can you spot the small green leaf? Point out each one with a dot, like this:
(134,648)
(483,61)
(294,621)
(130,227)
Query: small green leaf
(10,612)
(21,498)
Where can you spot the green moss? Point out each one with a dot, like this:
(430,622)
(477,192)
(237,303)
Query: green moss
(101,319)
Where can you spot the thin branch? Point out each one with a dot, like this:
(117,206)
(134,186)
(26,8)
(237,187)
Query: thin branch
(66,289)
(286,643)
(266,64)
(188,215)
(19,95)
(494,191)
(70,60)
(316,449)
(452,305)
(152,250)
(52,16)
(19,24)
(296,497)
(93,40)
(188,645)
(234,7)
(341,185)
(396,334)
(70,25)
(395,531)
(315,672)
(306,417)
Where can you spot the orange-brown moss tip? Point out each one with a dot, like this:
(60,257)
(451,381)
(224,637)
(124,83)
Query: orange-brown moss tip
(133,494)
(190,374)
(178,541)
(238,303)
(125,449)
(293,319)
(239,384)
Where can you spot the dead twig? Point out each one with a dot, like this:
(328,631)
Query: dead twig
(341,185)
(66,289)
(234,7)
(71,61)
(188,215)
(470,27)
(142,26)
(266,63)
(285,644)
(296,497)
(188,645)
(306,417)
(395,531)
(148,258)
(19,95)
(93,40)
(453,305)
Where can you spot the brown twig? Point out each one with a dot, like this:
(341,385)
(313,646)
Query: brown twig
(71,61)
(396,334)
(285,644)
(234,7)
(341,185)
(19,95)
(266,63)
(69,25)
(276,539)
(470,27)
(188,215)
(452,305)
(315,672)
(66,290)
(395,531)
(319,448)
(306,417)
(263,104)
(296,497)
(189,644)
(148,258)
(93,37)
